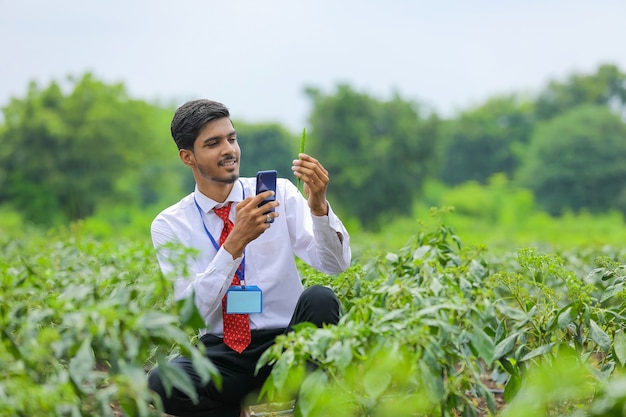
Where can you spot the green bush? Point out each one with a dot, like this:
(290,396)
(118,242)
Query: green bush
(82,321)
(432,329)
(435,328)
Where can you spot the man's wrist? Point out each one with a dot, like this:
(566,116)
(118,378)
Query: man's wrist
(320,212)
(236,251)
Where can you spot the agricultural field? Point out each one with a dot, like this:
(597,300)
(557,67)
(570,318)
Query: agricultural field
(436,328)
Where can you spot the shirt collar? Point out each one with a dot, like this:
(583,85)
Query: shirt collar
(207,204)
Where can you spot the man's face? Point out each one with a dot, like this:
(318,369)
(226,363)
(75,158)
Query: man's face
(217,152)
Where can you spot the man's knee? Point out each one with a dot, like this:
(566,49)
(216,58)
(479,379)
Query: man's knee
(319,305)
(319,294)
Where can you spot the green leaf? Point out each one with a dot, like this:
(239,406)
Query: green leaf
(619,347)
(131,344)
(173,376)
(430,376)
(129,405)
(513,313)
(154,320)
(188,313)
(280,371)
(505,346)
(508,366)
(512,388)
(376,382)
(340,353)
(311,391)
(82,365)
(565,317)
(599,336)
(13,348)
(612,291)
(205,369)
(483,344)
(267,390)
(433,309)
(541,350)
(304,325)
(393,315)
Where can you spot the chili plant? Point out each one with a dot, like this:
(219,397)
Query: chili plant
(82,322)
(411,343)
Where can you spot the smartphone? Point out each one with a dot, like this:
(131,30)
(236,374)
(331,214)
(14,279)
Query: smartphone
(266,180)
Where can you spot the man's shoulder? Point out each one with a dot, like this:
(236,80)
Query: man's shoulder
(176,210)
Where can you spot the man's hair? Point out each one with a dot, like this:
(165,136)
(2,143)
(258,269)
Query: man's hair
(191,117)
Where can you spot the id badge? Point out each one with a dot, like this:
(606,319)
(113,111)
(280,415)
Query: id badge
(244,300)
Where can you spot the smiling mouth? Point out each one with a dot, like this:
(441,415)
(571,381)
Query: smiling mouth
(229,162)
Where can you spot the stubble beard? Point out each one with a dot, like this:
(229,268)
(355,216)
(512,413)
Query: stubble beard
(224,180)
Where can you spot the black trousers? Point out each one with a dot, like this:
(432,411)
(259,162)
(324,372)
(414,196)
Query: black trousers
(317,305)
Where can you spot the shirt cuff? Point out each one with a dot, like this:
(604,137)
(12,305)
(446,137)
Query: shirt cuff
(330,220)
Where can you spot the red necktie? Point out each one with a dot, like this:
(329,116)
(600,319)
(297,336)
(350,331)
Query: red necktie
(236,326)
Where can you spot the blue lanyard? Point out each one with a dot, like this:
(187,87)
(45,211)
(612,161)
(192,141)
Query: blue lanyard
(242,266)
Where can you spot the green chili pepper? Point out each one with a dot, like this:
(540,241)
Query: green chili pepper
(302,151)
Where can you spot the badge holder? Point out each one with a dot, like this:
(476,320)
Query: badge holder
(244,299)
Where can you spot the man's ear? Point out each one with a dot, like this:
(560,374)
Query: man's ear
(187,157)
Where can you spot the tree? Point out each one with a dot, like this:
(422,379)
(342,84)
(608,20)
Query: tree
(63,155)
(486,140)
(377,152)
(576,161)
(606,87)
(266,146)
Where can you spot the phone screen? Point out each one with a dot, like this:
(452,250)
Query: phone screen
(266,180)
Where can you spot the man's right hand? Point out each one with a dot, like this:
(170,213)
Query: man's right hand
(250,223)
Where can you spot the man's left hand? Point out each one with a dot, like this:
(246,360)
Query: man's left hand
(315,179)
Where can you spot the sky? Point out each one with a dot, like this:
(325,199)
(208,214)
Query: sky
(257,57)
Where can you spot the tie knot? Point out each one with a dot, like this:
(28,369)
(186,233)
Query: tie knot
(223,212)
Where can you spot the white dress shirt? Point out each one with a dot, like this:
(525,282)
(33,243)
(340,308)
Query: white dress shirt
(269,259)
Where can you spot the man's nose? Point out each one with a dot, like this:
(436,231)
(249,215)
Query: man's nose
(228,147)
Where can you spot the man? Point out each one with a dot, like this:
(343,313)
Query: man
(237,240)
